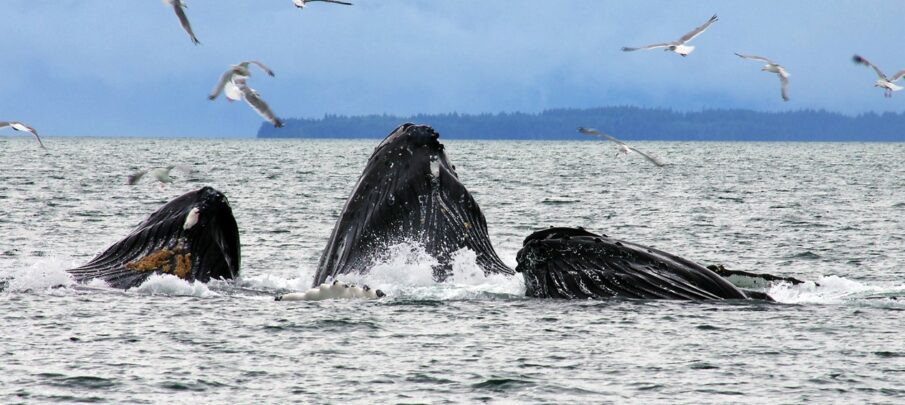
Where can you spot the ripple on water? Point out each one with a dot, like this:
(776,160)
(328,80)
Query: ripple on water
(476,339)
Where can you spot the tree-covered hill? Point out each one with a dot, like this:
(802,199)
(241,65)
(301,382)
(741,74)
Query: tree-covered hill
(622,122)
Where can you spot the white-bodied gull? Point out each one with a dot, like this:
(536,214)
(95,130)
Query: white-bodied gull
(161,174)
(18,126)
(178,7)
(236,71)
(233,83)
(679,46)
(886,83)
(623,147)
(772,67)
(302,3)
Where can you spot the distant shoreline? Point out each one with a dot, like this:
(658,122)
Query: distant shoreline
(630,123)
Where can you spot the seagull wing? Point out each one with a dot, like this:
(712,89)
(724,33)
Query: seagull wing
(897,76)
(757,58)
(645,47)
(35,133)
(331,1)
(260,65)
(648,157)
(135,177)
(255,101)
(860,60)
(224,79)
(784,81)
(4,124)
(588,131)
(594,132)
(697,31)
(180,13)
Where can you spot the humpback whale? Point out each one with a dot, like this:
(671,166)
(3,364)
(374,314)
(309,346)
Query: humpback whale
(573,263)
(409,192)
(193,237)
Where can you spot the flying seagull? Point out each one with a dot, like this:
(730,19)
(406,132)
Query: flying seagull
(18,126)
(886,83)
(178,6)
(302,3)
(238,70)
(161,174)
(679,46)
(772,67)
(235,86)
(254,100)
(623,147)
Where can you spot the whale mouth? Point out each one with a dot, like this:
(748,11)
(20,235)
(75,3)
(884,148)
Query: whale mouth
(193,237)
(573,263)
(409,192)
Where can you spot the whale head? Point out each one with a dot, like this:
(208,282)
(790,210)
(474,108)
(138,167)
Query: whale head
(573,263)
(409,192)
(194,237)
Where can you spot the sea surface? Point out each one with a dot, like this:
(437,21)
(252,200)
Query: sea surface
(830,213)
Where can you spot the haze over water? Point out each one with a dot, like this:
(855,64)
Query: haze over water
(826,212)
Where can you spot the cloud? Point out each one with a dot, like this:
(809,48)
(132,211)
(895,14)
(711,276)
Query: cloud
(96,67)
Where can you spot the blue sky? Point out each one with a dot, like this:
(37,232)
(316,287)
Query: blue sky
(125,67)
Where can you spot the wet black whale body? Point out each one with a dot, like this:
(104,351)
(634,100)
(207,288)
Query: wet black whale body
(409,192)
(576,264)
(194,237)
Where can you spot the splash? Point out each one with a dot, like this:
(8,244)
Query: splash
(276,283)
(407,273)
(832,290)
(170,285)
(41,275)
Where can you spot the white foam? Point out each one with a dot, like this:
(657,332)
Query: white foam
(407,272)
(97,283)
(170,285)
(40,275)
(829,290)
(272,282)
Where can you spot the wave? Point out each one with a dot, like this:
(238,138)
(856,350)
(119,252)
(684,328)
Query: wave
(406,273)
(834,290)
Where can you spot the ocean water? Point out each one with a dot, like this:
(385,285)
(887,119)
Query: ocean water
(831,213)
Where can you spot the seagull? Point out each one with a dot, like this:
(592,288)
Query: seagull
(679,46)
(772,67)
(623,148)
(161,174)
(886,83)
(254,100)
(238,70)
(18,126)
(301,3)
(234,85)
(178,6)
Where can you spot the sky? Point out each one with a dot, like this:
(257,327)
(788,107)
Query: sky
(126,67)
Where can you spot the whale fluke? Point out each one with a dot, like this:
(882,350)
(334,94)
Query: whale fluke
(576,264)
(194,237)
(409,192)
